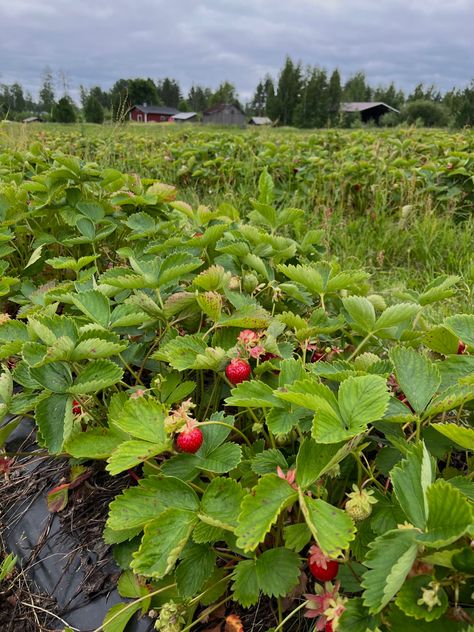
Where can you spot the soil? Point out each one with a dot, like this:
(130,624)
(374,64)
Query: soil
(66,573)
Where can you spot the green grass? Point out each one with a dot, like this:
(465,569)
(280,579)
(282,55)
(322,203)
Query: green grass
(398,202)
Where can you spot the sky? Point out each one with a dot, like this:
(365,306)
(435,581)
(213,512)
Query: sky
(96,42)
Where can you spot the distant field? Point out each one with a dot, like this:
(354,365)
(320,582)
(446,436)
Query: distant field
(399,202)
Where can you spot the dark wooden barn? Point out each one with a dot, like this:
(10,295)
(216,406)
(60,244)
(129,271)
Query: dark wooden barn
(151,113)
(224,114)
(368,110)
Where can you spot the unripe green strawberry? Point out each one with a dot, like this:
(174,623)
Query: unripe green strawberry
(359,505)
(250,282)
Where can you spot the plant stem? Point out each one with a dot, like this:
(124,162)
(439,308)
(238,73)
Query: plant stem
(292,613)
(359,347)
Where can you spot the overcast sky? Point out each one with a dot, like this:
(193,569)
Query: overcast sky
(204,42)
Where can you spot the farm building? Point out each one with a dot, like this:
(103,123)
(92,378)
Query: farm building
(224,114)
(260,120)
(369,110)
(151,113)
(33,119)
(185,117)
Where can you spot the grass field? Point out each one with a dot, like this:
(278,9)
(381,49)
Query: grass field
(398,202)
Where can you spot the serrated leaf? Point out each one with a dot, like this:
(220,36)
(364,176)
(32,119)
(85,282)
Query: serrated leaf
(53,416)
(207,534)
(277,571)
(220,504)
(361,313)
(96,348)
(332,528)
(221,460)
(389,559)
(462,325)
(247,317)
(131,453)
(96,375)
(140,504)
(211,304)
(94,305)
(181,352)
(261,508)
(296,536)
(54,377)
(411,478)
(96,443)
(144,419)
(396,315)
(266,462)
(163,541)
(461,435)
(417,376)
(315,459)
(195,568)
(441,340)
(245,588)
(449,515)
(253,394)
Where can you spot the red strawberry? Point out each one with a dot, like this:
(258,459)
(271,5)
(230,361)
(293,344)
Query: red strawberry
(321,567)
(461,347)
(238,371)
(189,440)
(76,407)
(328,627)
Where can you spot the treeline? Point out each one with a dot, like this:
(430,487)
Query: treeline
(306,97)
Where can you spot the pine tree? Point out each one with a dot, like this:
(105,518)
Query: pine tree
(46,93)
(334,98)
(93,110)
(63,111)
(288,92)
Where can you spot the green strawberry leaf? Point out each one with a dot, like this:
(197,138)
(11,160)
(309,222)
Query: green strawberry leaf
(261,508)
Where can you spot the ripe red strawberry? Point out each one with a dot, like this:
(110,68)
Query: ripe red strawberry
(238,371)
(461,347)
(76,407)
(328,627)
(321,567)
(189,440)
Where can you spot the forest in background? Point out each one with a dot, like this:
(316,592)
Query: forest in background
(304,97)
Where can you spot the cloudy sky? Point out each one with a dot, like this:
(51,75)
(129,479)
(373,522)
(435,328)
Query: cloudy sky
(204,42)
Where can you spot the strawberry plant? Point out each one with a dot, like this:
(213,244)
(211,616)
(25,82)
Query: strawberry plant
(294,435)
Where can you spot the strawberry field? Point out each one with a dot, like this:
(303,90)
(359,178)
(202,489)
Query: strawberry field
(267,340)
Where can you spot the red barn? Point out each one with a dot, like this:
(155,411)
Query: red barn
(151,113)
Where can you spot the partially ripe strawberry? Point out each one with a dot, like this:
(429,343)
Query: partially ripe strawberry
(238,371)
(461,347)
(76,407)
(189,440)
(321,567)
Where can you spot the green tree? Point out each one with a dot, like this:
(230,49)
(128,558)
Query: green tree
(93,110)
(63,111)
(169,92)
(461,105)
(198,98)
(334,97)
(225,93)
(46,93)
(288,93)
(428,113)
(126,93)
(312,109)
(357,89)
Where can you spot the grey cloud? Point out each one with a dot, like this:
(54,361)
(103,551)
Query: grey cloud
(239,40)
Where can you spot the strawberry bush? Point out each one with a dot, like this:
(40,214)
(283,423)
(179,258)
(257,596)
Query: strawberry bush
(295,436)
